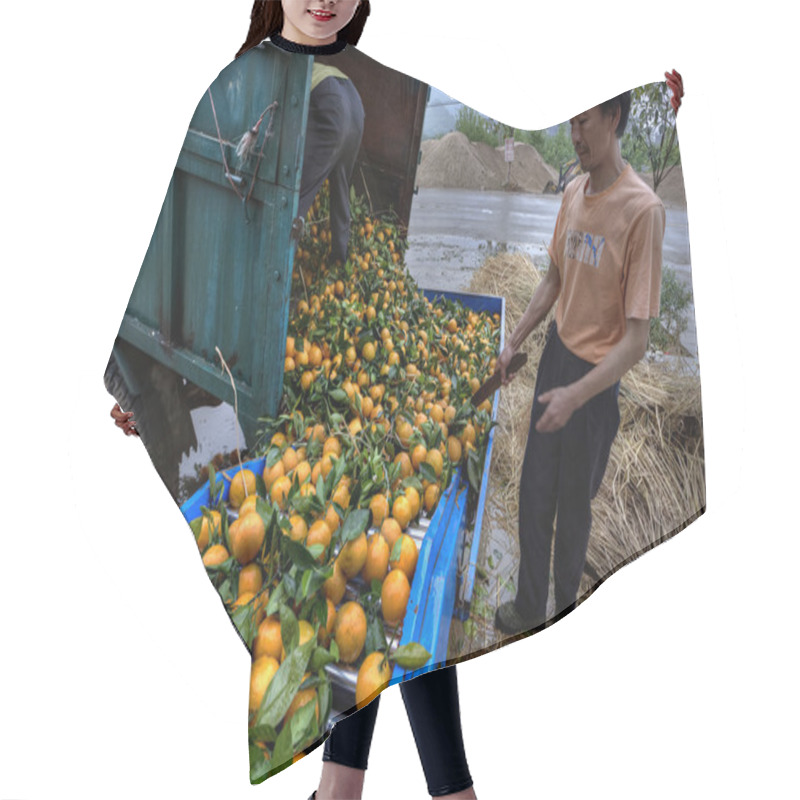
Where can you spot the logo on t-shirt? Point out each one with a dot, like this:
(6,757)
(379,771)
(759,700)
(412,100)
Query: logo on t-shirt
(585,247)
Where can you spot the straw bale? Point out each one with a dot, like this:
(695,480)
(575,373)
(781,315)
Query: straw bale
(655,479)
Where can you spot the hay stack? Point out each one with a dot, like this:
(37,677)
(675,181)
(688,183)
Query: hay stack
(655,479)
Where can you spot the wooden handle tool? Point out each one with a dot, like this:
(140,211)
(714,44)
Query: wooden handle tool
(489,387)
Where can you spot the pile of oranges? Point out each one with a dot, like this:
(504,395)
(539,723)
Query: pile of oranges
(375,421)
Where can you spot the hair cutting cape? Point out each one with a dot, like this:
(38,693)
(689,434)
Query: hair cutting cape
(301,352)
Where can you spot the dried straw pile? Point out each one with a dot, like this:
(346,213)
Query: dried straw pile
(655,480)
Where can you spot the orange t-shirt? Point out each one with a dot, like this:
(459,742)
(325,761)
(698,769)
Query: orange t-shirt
(607,248)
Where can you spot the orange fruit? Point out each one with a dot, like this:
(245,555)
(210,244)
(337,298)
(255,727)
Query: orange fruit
(302,471)
(215,555)
(342,496)
(404,430)
(454,449)
(394,596)
(268,639)
(332,445)
(242,600)
(207,531)
(332,518)
(407,560)
(373,675)
(319,533)
(318,433)
(243,482)
(299,529)
(434,459)
(377,560)
(368,351)
(350,631)
(334,587)
(432,493)
(401,511)
(406,467)
(248,504)
(391,531)
(249,537)
(327,463)
(412,495)
(262,671)
(277,470)
(280,491)
(353,556)
(468,434)
(379,506)
(250,579)
(418,455)
(290,459)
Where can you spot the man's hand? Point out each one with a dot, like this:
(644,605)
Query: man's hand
(124,420)
(561,405)
(503,362)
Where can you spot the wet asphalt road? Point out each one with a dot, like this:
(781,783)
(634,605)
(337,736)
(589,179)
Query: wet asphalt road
(452,231)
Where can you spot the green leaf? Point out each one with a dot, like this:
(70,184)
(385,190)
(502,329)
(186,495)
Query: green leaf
(338,396)
(303,724)
(259,765)
(339,466)
(290,630)
(275,600)
(298,553)
(376,637)
(473,474)
(195,525)
(396,550)
(273,457)
(262,733)
(225,591)
(411,656)
(325,697)
(283,687)
(244,621)
(283,752)
(355,524)
(320,658)
(427,472)
(212,481)
(265,511)
(321,496)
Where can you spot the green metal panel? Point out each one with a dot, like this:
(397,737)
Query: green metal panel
(216,274)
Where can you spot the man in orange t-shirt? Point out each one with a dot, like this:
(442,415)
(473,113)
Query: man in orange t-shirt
(605,273)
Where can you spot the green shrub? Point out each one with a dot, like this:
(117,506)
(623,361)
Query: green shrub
(666,330)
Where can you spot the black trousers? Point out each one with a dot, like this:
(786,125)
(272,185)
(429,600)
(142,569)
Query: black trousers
(561,473)
(431,701)
(333,137)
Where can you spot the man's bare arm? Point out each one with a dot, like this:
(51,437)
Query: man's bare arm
(542,301)
(563,401)
(626,352)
